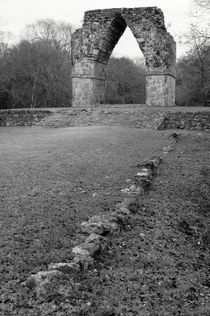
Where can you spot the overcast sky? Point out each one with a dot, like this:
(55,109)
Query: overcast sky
(15,14)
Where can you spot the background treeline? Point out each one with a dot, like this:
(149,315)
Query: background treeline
(193,69)
(125,82)
(193,79)
(36,72)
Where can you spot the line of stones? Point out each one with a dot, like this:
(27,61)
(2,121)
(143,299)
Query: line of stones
(98,231)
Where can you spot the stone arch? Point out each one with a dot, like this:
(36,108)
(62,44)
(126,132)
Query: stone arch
(93,44)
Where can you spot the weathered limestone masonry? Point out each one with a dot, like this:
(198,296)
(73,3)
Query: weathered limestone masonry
(93,44)
(186,120)
(22,117)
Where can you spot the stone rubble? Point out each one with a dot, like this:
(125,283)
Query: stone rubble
(99,229)
(22,117)
(186,120)
(47,284)
(65,267)
(99,224)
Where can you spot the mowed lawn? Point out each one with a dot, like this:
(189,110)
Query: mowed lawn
(52,179)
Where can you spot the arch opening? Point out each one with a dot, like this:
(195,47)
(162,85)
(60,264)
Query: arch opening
(125,79)
(125,74)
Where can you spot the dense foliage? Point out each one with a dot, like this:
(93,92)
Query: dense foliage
(125,81)
(193,79)
(34,75)
(37,71)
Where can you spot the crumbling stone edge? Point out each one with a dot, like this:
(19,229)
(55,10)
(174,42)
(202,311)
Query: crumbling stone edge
(97,233)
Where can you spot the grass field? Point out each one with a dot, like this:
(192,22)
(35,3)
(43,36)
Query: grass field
(52,179)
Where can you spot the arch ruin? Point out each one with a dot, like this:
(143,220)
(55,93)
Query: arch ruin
(93,44)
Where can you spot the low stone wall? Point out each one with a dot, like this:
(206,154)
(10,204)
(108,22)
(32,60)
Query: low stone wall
(127,115)
(97,233)
(22,117)
(186,120)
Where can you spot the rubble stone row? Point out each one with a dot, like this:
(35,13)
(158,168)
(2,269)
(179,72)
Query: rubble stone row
(58,280)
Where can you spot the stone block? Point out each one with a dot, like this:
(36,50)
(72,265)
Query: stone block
(49,284)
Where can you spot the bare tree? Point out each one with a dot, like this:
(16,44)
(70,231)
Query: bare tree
(53,40)
(200,15)
(198,59)
(56,34)
(204,4)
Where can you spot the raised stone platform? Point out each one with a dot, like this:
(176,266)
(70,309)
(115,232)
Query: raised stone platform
(22,117)
(137,116)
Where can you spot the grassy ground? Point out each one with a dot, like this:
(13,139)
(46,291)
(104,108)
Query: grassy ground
(161,265)
(51,180)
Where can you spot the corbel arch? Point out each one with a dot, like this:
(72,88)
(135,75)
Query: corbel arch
(93,44)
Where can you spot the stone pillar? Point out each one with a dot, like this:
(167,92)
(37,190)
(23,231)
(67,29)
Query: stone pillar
(88,83)
(160,89)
